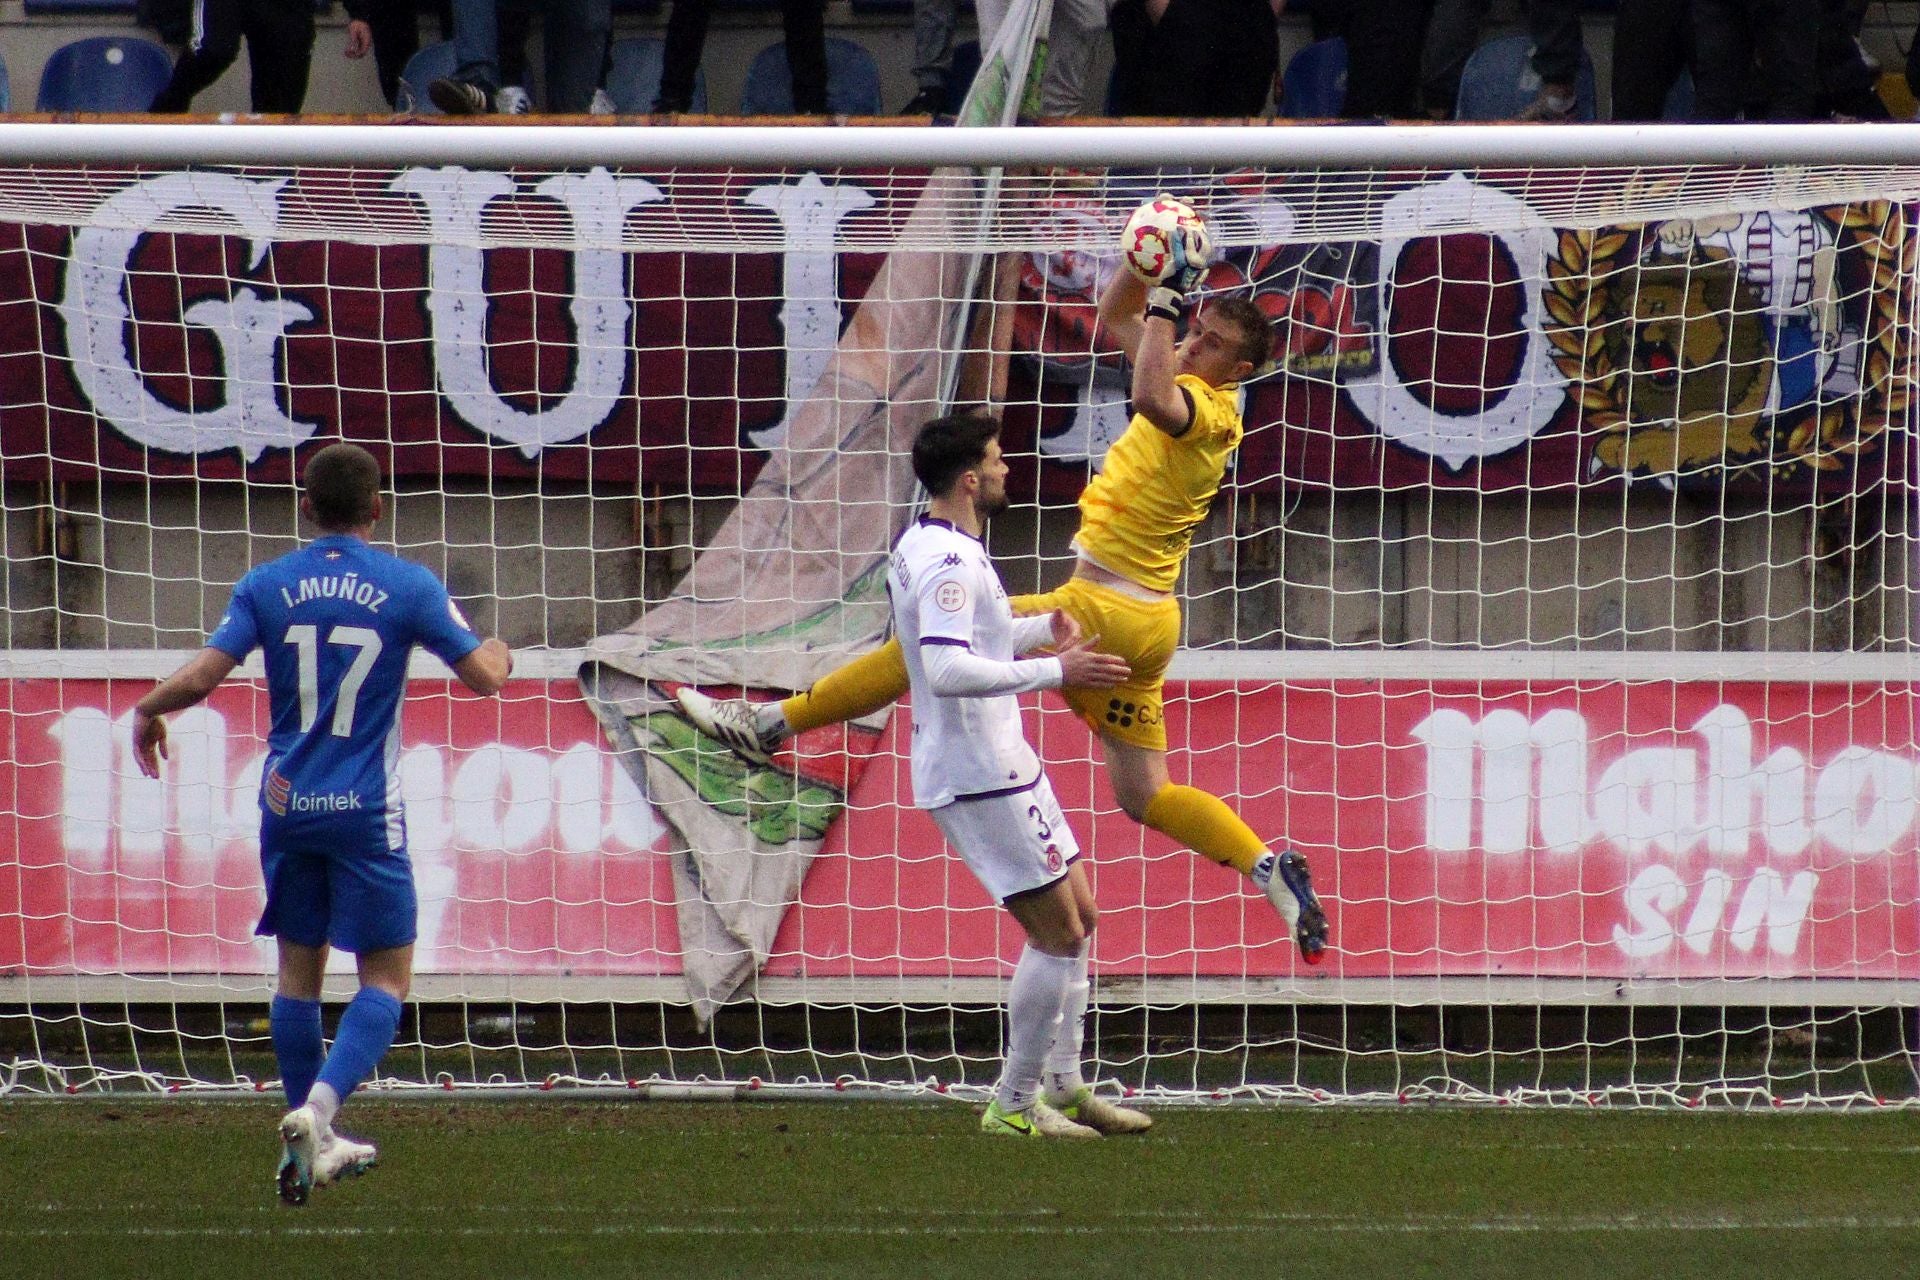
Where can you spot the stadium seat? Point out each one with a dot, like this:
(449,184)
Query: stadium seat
(1679,105)
(82,6)
(105,74)
(1314,86)
(633,81)
(960,73)
(6,90)
(431,63)
(1499,82)
(853,81)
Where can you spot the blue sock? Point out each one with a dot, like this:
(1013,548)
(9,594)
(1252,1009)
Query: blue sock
(365,1033)
(297,1046)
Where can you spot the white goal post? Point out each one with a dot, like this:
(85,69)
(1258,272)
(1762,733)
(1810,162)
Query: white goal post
(1560,605)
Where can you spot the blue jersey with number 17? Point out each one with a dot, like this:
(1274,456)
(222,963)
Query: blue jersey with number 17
(336,621)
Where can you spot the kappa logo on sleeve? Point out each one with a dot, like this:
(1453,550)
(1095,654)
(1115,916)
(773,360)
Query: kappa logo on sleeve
(951,596)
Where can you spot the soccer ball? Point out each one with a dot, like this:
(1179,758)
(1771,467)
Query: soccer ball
(1147,243)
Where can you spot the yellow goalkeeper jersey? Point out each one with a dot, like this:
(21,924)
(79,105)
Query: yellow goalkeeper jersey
(1137,516)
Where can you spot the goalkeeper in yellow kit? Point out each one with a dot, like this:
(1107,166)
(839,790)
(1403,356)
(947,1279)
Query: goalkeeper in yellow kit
(1136,522)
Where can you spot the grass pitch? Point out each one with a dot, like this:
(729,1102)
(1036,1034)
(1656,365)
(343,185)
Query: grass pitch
(466,1189)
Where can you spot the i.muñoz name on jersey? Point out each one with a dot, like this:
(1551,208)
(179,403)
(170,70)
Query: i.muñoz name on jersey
(336,622)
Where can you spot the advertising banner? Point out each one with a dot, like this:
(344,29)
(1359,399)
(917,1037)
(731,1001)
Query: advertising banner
(1642,830)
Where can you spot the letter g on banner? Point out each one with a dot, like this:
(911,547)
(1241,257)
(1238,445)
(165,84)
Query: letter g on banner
(248,327)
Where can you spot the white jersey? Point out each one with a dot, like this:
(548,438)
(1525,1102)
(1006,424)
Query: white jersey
(960,639)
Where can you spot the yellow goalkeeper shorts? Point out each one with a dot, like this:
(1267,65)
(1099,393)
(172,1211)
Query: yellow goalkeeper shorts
(1144,632)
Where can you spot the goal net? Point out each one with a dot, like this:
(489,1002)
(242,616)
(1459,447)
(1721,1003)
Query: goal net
(1559,606)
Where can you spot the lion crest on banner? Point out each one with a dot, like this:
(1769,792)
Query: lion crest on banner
(1750,343)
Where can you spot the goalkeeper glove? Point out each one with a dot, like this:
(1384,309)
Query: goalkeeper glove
(1165,304)
(1191,250)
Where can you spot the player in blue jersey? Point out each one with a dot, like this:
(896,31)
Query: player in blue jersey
(335,621)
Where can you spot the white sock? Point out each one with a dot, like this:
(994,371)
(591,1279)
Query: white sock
(325,1102)
(1033,1010)
(1063,1078)
(1263,869)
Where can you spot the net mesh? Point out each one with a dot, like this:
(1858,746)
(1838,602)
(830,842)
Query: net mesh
(1558,607)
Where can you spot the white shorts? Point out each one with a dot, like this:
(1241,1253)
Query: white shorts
(1013,843)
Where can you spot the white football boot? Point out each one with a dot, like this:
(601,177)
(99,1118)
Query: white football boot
(1088,1109)
(1289,887)
(300,1147)
(342,1157)
(1049,1123)
(1037,1121)
(730,721)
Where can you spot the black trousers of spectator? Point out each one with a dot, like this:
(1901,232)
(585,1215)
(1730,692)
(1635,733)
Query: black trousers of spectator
(805,23)
(1204,59)
(395,25)
(1728,36)
(1384,40)
(1652,45)
(279,36)
(1848,84)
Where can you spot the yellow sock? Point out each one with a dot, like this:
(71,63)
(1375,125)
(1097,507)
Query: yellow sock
(859,688)
(1205,824)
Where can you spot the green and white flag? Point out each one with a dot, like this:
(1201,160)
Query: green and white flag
(793,583)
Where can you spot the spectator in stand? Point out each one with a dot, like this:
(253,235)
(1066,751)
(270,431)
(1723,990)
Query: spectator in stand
(1454,32)
(1652,46)
(1203,59)
(391,30)
(1384,39)
(1913,64)
(805,23)
(1757,57)
(279,36)
(1849,75)
(933,23)
(1075,33)
(576,34)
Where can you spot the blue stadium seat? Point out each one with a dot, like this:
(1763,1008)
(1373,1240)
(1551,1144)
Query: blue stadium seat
(1499,82)
(1314,86)
(105,74)
(1679,105)
(960,73)
(853,81)
(633,81)
(433,62)
(82,6)
(6,90)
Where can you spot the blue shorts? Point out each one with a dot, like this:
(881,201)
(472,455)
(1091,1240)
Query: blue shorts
(342,887)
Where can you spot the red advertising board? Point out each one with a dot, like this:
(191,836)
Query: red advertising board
(1559,829)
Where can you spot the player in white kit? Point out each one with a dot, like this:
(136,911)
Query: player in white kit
(982,783)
